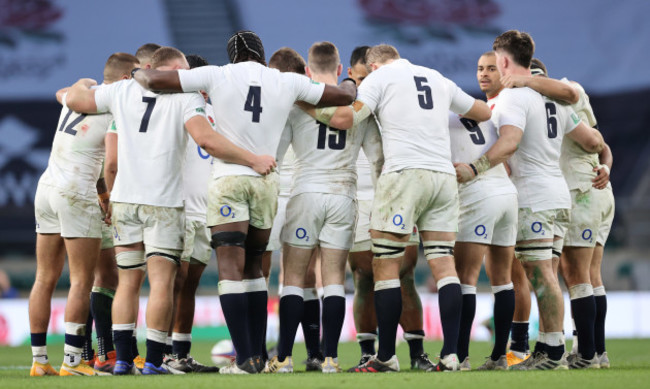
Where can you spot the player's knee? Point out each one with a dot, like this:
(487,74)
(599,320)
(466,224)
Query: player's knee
(434,249)
(388,249)
(534,251)
(228,238)
(130,260)
(256,250)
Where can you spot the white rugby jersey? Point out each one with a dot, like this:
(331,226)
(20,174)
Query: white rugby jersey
(251,103)
(326,157)
(151,143)
(536,163)
(77,152)
(577,164)
(286,166)
(196,174)
(365,187)
(412,105)
(470,140)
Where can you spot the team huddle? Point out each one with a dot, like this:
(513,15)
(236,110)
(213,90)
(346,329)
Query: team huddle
(247,159)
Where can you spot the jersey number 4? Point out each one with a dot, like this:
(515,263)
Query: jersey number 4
(254,102)
(335,140)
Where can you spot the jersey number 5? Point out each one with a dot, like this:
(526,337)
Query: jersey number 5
(335,140)
(425,99)
(551,120)
(475,131)
(254,102)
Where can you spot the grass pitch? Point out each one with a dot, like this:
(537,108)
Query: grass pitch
(630,369)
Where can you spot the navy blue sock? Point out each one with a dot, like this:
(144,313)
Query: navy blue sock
(504,308)
(333,316)
(584,315)
(519,337)
(257,316)
(467,314)
(235,311)
(555,352)
(74,340)
(450,301)
(599,327)
(291,311)
(87,352)
(134,345)
(181,348)
(100,307)
(416,347)
(123,345)
(311,327)
(38,339)
(368,346)
(155,352)
(169,349)
(540,347)
(388,305)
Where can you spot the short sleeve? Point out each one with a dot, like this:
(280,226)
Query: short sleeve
(461,102)
(195,107)
(201,78)
(112,128)
(104,97)
(571,119)
(305,89)
(369,91)
(515,115)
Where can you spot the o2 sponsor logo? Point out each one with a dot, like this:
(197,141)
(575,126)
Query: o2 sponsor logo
(226,211)
(301,234)
(587,235)
(536,227)
(481,231)
(398,220)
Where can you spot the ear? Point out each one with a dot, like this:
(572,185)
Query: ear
(339,70)
(349,72)
(307,71)
(125,76)
(147,66)
(373,66)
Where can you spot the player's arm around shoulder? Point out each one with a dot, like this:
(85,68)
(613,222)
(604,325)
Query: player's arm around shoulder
(158,80)
(590,139)
(480,111)
(343,94)
(220,147)
(80,97)
(549,87)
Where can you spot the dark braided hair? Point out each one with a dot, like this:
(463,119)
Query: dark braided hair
(245,46)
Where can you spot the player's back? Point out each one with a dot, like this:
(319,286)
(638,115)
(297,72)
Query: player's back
(412,104)
(251,104)
(325,157)
(152,141)
(77,151)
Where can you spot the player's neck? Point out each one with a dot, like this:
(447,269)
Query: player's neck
(491,95)
(519,71)
(325,78)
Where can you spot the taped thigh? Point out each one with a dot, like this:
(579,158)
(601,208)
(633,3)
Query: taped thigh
(127,260)
(434,249)
(388,249)
(228,238)
(534,251)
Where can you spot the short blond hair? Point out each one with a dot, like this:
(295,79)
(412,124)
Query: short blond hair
(164,55)
(323,57)
(119,65)
(381,54)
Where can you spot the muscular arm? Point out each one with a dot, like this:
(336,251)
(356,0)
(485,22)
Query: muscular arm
(159,80)
(479,111)
(220,147)
(344,94)
(588,138)
(603,170)
(110,162)
(549,87)
(500,152)
(81,98)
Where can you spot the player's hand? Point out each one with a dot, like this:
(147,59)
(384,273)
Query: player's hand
(87,82)
(514,81)
(108,214)
(602,177)
(264,164)
(464,172)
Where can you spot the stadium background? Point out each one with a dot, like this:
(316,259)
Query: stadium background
(48,44)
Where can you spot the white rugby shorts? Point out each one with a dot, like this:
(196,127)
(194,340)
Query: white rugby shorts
(67,213)
(492,221)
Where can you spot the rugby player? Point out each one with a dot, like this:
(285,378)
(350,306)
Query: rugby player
(68,220)
(592,211)
(416,188)
(360,258)
(147,199)
(253,103)
(487,224)
(531,131)
(321,213)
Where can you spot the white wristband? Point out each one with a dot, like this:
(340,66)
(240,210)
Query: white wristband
(604,167)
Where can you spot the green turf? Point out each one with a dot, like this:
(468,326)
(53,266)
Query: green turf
(630,370)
